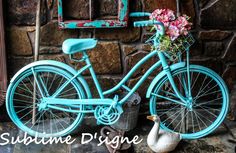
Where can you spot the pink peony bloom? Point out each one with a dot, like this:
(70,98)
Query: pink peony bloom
(174,26)
(183,21)
(173,32)
(163,15)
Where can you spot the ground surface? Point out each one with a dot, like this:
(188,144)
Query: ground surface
(218,142)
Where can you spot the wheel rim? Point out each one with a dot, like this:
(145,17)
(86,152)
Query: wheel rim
(209,108)
(48,123)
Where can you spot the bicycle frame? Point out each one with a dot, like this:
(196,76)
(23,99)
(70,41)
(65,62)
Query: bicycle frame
(106,101)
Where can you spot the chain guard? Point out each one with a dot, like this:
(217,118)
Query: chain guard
(106,115)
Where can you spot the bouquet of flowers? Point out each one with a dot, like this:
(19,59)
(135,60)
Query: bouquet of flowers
(176,31)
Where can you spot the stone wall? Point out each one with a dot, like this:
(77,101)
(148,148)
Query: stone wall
(119,49)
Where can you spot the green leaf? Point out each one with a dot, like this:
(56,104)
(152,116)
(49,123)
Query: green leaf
(153,28)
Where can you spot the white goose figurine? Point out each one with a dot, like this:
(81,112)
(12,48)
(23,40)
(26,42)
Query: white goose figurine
(159,140)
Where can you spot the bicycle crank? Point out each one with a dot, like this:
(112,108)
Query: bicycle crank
(106,115)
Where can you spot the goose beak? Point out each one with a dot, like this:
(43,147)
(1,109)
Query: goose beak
(150,118)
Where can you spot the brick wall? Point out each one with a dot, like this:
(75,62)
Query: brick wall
(119,49)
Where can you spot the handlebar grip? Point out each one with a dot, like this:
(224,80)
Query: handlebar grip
(150,23)
(139,14)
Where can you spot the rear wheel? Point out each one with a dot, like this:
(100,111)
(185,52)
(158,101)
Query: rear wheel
(209,107)
(46,122)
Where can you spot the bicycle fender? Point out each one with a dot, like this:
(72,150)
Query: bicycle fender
(57,64)
(161,75)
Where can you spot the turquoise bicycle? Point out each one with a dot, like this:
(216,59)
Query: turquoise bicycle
(49,98)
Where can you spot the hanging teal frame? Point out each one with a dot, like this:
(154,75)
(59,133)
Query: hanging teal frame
(121,21)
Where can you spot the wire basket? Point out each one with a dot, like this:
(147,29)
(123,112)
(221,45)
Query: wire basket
(177,47)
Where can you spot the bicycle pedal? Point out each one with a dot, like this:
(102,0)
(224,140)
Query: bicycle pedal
(120,109)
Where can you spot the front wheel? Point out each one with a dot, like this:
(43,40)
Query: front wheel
(209,106)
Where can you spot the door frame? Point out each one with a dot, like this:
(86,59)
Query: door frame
(3,62)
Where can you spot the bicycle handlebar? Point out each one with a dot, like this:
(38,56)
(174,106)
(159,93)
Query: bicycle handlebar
(151,23)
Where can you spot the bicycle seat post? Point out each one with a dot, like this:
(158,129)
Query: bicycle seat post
(91,70)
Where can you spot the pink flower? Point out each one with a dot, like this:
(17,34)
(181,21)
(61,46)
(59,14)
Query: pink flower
(174,26)
(183,21)
(163,15)
(170,14)
(173,32)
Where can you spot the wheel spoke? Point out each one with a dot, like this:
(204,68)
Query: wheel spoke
(178,113)
(181,119)
(168,93)
(21,101)
(209,108)
(26,114)
(24,109)
(21,106)
(200,89)
(54,120)
(28,91)
(199,114)
(192,122)
(60,83)
(191,80)
(196,116)
(24,95)
(209,112)
(37,93)
(68,95)
(37,121)
(169,110)
(172,115)
(32,85)
(195,81)
(64,92)
(206,94)
(207,102)
(56,117)
(54,77)
(47,79)
(169,99)
(31,119)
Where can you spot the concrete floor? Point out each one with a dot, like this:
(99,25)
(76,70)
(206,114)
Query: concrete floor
(217,142)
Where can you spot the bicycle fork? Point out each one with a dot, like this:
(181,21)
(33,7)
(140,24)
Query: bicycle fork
(186,101)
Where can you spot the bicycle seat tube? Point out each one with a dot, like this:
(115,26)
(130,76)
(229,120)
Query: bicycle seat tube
(91,70)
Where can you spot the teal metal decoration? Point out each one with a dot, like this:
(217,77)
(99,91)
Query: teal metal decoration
(196,99)
(121,20)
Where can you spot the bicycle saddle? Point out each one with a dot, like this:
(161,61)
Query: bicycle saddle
(71,46)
